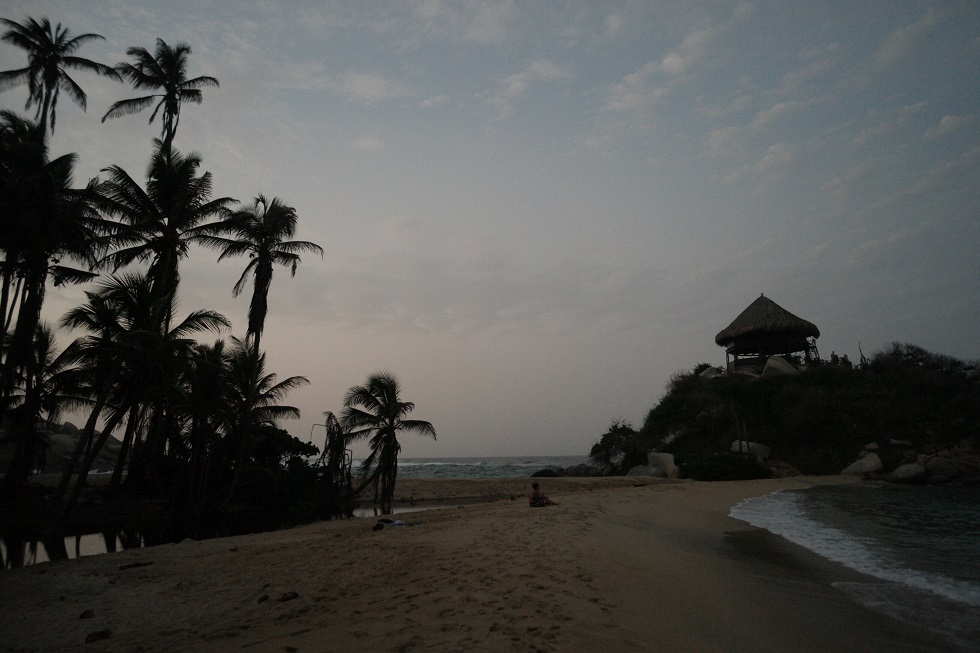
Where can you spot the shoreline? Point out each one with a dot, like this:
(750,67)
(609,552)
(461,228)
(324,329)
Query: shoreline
(637,565)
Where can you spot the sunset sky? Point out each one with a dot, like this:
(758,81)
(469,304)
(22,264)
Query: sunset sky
(533,213)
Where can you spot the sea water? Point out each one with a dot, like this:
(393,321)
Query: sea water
(482,467)
(919,547)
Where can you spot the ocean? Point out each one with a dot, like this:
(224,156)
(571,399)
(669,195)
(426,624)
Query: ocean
(919,546)
(482,467)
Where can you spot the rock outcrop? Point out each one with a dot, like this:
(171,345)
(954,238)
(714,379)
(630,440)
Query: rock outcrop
(662,464)
(754,448)
(960,461)
(779,366)
(908,473)
(870,464)
(582,470)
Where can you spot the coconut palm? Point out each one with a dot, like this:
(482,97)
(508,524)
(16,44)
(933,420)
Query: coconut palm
(50,55)
(255,398)
(159,223)
(51,388)
(43,220)
(376,411)
(165,71)
(333,458)
(203,400)
(138,370)
(260,230)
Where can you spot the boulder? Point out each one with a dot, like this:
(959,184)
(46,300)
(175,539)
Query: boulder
(779,366)
(545,473)
(870,464)
(942,466)
(900,443)
(67,429)
(582,470)
(711,373)
(871,446)
(673,435)
(760,450)
(639,470)
(662,462)
(908,473)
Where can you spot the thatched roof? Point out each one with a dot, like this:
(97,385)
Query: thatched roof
(765,317)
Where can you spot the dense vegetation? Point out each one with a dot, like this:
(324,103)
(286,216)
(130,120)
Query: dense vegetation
(197,420)
(817,421)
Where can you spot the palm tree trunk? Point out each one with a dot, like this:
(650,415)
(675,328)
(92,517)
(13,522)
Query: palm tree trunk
(5,299)
(131,425)
(83,472)
(236,472)
(88,433)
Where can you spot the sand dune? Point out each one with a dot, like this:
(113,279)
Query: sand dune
(614,567)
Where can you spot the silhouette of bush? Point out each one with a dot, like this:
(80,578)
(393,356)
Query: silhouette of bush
(721,467)
(817,421)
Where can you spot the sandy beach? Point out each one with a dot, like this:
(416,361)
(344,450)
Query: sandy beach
(620,565)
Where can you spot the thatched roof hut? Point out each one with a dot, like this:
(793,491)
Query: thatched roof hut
(767,329)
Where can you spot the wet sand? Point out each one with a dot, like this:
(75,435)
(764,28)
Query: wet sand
(620,565)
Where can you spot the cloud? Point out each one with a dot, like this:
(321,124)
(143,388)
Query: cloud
(690,51)
(773,164)
(490,23)
(892,121)
(514,86)
(369,143)
(841,187)
(370,88)
(780,109)
(819,62)
(613,24)
(715,111)
(720,140)
(643,87)
(775,159)
(432,102)
(636,90)
(947,125)
(479,22)
(901,42)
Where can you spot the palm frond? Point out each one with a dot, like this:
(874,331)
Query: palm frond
(129,107)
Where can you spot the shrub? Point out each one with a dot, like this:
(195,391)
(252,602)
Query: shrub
(721,467)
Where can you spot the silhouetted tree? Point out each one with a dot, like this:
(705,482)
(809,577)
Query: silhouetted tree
(376,411)
(50,55)
(165,71)
(159,224)
(260,230)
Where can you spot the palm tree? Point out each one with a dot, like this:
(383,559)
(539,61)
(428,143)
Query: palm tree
(136,369)
(254,399)
(49,57)
(52,387)
(260,230)
(334,447)
(166,71)
(43,220)
(159,223)
(204,401)
(375,410)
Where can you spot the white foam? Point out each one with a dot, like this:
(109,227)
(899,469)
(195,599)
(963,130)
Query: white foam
(782,513)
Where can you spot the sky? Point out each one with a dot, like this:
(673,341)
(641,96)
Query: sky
(533,214)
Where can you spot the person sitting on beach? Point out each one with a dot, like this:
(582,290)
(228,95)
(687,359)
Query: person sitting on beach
(538,500)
